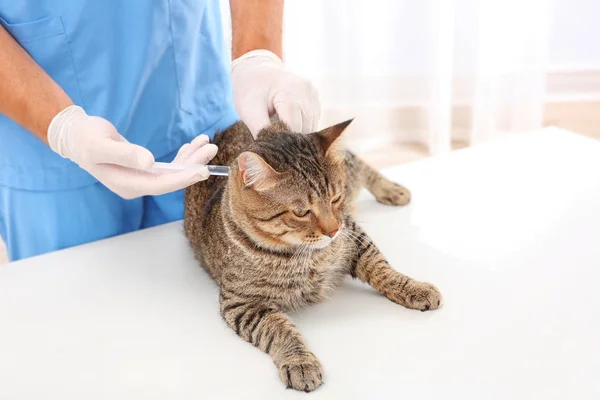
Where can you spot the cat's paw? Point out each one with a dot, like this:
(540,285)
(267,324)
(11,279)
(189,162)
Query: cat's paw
(302,373)
(421,296)
(391,193)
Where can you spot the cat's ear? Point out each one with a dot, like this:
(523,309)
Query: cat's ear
(329,135)
(256,172)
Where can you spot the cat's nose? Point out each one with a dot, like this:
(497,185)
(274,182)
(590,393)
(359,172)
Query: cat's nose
(333,232)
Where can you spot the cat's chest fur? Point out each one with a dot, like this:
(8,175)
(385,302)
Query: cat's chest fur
(315,283)
(293,282)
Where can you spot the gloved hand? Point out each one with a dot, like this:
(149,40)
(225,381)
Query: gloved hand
(262,87)
(125,168)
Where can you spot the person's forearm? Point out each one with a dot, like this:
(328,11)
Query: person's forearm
(28,95)
(256,24)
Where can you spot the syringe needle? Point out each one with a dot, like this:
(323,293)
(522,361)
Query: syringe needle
(217,170)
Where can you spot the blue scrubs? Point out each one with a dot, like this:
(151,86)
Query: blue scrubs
(158,70)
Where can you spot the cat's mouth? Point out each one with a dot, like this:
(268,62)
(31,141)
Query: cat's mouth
(324,241)
(312,242)
(321,244)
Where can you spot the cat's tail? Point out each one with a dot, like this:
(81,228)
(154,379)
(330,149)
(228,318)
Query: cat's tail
(360,175)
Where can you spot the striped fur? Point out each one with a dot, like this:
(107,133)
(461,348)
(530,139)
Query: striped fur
(268,258)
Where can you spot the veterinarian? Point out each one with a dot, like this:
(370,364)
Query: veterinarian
(92,93)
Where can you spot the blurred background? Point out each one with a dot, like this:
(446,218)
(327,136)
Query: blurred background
(424,77)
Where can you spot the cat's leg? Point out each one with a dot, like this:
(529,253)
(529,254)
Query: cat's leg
(385,191)
(369,265)
(269,329)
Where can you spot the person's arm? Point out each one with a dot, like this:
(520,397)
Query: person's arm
(28,95)
(31,98)
(261,84)
(256,24)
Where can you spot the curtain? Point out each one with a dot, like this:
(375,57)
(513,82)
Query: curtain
(428,71)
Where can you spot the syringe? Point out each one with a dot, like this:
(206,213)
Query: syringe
(217,170)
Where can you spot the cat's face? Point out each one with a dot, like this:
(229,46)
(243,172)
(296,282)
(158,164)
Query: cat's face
(290,190)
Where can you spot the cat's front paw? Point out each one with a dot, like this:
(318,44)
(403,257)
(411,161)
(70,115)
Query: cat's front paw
(421,296)
(391,193)
(302,373)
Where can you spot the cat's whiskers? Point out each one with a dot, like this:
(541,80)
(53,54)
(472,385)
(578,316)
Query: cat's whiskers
(298,252)
(300,256)
(305,262)
(353,236)
(307,258)
(362,240)
(294,260)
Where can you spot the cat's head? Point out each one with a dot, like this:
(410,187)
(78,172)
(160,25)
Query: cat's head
(289,190)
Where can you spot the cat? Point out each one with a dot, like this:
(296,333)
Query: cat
(278,235)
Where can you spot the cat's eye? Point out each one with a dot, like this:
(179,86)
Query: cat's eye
(301,213)
(336,199)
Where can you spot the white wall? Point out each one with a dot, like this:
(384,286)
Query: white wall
(372,58)
(574,39)
(575,31)
(575,35)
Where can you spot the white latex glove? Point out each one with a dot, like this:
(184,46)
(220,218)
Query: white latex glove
(262,87)
(125,168)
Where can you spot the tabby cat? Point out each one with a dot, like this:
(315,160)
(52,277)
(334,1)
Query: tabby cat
(277,235)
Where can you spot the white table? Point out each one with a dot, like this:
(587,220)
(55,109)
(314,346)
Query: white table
(509,231)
